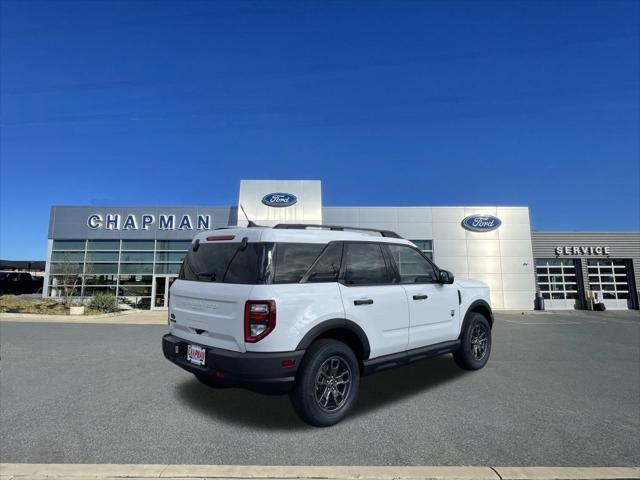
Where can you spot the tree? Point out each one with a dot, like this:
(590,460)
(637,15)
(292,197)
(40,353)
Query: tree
(70,273)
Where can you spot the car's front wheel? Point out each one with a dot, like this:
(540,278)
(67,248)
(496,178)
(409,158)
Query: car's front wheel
(475,346)
(327,383)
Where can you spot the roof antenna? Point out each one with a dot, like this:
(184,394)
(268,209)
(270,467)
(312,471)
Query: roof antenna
(249,222)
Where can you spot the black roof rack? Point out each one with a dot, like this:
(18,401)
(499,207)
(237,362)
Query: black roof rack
(303,226)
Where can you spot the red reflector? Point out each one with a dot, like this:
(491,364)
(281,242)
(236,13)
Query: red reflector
(288,363)
(220,237)
(218,373)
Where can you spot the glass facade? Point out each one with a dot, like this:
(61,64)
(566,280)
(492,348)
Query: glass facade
(125,268)
(425,246)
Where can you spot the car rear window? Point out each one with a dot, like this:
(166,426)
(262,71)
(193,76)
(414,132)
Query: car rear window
(223,263)
(292,260)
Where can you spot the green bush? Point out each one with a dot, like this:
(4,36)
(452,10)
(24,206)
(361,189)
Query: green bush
(104,302)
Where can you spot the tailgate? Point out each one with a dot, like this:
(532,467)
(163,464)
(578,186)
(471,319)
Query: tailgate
(209,313)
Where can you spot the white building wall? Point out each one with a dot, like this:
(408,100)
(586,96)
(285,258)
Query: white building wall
(501,258)
(307,209)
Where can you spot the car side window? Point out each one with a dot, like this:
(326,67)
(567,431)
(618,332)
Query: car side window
(412,267)
(292,260)
(364,264)
(327,267)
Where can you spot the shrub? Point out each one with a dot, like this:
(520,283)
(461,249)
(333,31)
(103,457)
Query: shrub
(104,302)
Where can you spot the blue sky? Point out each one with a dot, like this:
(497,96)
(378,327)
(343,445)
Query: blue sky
(389,103)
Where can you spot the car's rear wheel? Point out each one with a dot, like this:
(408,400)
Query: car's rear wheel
(475,346)
(327,383)
(209,381)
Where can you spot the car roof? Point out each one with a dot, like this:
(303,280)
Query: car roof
(309,235)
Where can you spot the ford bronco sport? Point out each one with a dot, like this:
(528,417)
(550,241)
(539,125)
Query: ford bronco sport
(308,309)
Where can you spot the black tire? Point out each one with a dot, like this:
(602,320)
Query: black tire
(210,381)
(325,361)
(475,348)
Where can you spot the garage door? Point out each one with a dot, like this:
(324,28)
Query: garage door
(558,283)
(610,280)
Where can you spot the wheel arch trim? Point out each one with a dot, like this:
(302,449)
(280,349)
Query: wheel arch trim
(473,308)
(336,324)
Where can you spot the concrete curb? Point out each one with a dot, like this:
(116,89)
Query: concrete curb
(23,471)
(54,316)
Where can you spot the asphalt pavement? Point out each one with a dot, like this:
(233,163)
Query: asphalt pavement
(559,389)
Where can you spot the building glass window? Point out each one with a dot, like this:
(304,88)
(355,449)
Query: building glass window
(167,268)
(100,279)
(103,245)
(140,257)
(138,245)
(67,256)
(102,256)
(173,244)
(124,268)
(66,268)
(100,268)
(425,246)
(136,279)
(136,268)
(91,291)
(170,256)
(68,245)
(134,291)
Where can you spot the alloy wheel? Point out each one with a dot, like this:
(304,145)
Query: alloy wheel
(479,341)
(333,384)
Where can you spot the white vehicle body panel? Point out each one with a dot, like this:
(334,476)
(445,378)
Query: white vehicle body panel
(299,308)
(385,321)
(433,319)
(212,313)
(471,291)
(208,313)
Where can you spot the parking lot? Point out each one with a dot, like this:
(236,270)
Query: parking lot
(560,389)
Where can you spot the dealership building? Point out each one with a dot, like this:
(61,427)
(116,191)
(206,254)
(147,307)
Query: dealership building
(135,252)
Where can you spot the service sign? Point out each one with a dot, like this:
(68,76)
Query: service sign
(481,223)
(583,250)
(279,199)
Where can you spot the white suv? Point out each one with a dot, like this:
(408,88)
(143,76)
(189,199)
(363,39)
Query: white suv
(308,309)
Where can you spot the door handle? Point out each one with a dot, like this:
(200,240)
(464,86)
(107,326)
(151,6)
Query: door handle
(420,297)
(366,301)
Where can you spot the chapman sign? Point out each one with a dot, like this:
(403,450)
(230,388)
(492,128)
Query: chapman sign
(146,221)
(588,250)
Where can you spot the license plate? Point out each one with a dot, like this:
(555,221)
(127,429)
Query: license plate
(196,354)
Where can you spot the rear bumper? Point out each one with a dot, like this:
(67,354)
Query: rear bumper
(260,372)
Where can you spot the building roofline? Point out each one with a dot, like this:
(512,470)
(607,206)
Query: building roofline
(589,232)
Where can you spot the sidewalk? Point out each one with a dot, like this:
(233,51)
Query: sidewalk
(127,317)
(18,471)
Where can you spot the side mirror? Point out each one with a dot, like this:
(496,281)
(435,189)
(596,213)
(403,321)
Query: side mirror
(446,277)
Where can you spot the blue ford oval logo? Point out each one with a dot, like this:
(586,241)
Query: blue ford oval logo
(279,199)
(481,223)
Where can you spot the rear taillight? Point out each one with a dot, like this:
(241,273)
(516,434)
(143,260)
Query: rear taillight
(259,319)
